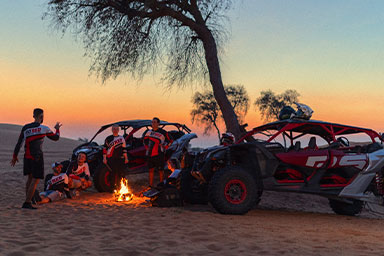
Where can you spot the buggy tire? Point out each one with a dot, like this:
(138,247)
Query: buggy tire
(101,179)
(344,208)
(233,190)
(191,190)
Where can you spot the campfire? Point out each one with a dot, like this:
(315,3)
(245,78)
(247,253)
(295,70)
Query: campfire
(123,195)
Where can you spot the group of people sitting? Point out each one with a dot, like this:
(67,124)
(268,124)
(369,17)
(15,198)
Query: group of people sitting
(67,183)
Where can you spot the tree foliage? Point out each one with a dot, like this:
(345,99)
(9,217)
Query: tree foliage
(136,35)
(207,112)
(238,96)
(139,36)
(270,103)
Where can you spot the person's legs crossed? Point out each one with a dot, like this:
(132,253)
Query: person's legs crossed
(44,197)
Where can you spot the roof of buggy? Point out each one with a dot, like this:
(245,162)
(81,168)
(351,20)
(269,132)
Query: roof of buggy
(313,127)
(139,123)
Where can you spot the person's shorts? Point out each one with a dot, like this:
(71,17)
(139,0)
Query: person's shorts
(53,195)
(117,165)
(34,167)
(157,162)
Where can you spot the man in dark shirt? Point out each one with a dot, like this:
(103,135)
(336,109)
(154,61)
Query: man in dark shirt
(156,141)
(57,186)
(115,156)
(34,134)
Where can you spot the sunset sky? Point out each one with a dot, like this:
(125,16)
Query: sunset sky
(330,51)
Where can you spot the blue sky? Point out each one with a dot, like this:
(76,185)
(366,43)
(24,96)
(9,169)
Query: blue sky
(330,51)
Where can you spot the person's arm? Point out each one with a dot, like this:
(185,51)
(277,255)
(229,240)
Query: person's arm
(54,136)
(125,152)
(17,148)
(70,168)
(87,173)
(66,187)
(168,140)
(105,146)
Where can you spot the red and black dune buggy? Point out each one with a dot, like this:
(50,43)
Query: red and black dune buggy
(292,155)
(133,131)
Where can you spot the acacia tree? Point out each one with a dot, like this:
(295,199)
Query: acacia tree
(135,35)
(270,104)
(207,112)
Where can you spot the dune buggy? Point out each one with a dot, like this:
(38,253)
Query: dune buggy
(293,155)
(132,132)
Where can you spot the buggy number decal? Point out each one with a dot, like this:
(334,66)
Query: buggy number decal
(316,161)
(358,161)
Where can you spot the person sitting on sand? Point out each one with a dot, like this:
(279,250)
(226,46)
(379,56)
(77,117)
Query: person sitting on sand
(166,194)
(174,166)
(57,187)
(78,172)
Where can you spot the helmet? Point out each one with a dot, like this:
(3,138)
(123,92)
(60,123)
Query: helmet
(303,111)
(286,112)
(227,138)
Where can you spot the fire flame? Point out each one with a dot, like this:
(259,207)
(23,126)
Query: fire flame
(123,194)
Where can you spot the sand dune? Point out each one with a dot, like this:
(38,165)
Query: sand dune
(94,224)
(9,134)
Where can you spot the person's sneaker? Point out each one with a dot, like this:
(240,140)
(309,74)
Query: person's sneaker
(151,193)
(28,206)
(75,193)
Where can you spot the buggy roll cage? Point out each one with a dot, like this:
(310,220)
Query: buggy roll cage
(138,124)
(328,131)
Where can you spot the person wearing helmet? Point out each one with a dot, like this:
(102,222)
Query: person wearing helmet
(227,139)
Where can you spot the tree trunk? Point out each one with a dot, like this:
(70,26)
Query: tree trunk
(213,65)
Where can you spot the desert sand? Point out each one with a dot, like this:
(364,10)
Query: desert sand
(94,224)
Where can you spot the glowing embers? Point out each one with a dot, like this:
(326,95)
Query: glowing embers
(123,195)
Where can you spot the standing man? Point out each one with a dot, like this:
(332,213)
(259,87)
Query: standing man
(156,141)
(34,134)
(115,156)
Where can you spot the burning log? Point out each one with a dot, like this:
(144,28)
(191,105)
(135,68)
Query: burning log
(123,194)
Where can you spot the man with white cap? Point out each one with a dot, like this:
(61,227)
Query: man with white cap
(57,187)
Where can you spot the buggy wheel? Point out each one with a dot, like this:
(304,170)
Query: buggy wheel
(233,190)
(191,190)
(101,179)
(343,208)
